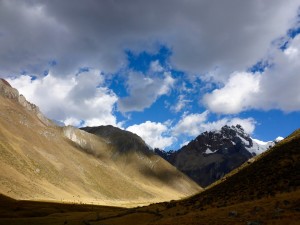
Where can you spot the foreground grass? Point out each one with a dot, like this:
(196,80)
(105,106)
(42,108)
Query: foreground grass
(276,210)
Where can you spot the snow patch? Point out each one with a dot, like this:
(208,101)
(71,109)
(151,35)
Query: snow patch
(208,151)
(260,142)
(259,147)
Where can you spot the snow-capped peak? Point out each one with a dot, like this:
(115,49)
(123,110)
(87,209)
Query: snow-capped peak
(229,140)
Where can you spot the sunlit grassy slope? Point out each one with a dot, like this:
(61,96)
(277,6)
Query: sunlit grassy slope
(41,161)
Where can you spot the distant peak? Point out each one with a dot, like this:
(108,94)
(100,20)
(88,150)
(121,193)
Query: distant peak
(232,130)
(237,128)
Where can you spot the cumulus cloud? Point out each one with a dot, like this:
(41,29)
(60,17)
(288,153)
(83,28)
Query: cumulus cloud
(75,100)
(236,95)
(156,67)
(279,85)
(144,90)
(181,103)
(202,34)
(190,124)
(154,134)
(276,88)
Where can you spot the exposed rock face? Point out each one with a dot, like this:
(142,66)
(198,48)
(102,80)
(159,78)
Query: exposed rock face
(7,91)
(213,154)
(5,82)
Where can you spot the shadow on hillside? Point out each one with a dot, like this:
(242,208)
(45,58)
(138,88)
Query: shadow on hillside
(86,149)
(11,208)
(166,176)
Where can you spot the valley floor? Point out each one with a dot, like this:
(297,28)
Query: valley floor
(276,210)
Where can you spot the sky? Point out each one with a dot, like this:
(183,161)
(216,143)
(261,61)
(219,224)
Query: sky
(165,70)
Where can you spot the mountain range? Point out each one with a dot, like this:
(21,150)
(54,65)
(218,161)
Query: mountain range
(213,154)
(264,191)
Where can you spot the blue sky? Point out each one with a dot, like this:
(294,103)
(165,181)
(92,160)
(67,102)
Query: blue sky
(166,71)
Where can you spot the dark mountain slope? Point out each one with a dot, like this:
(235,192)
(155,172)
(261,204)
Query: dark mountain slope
(275,171)
(123,140)
(213,154)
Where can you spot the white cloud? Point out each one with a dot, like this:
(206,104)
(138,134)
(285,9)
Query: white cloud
(276,88)
(70,99)
(167,84)
(280,84)
(292,52)
(154,134)
(236,95)
(190,124)
(72,121)
(156,67)
(181,103)
(144,91)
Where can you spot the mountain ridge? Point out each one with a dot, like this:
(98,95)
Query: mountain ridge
(122,139)
(213,154)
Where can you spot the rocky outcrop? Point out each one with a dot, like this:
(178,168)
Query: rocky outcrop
(7,91)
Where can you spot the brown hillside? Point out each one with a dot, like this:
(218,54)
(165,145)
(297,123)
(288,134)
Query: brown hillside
(41,161)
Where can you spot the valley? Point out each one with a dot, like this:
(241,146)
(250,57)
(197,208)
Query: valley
(123,112)
(231,201)
(65,175)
